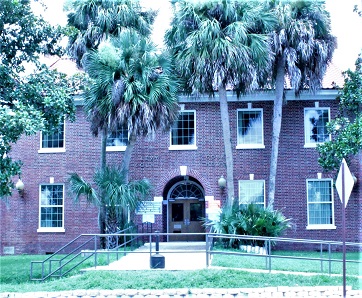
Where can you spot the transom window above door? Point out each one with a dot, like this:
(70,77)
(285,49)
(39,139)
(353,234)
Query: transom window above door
(186,190)
(250,130)
(183,132)
(315,126)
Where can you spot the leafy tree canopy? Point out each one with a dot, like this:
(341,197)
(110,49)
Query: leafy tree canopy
(346,128)
(92,21)
(28,103)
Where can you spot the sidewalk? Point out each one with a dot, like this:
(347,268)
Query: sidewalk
(177,256)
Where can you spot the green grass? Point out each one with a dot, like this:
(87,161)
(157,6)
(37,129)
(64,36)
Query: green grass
(14,277)
(294,265)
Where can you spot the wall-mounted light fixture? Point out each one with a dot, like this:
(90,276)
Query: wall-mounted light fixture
(222,182)
(20,187)
(319,175)
(251,176)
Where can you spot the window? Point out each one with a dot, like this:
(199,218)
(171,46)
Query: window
(315,121)
(250,128)
(54,142)
(252,192)
(183,132)
(117,140)
(51,208)
(320,204)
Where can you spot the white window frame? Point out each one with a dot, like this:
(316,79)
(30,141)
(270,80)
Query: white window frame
(50,229)
(307,142)
(185,147)
(251,181)
(52,150)
(321,226)
(116,148)
(250,145)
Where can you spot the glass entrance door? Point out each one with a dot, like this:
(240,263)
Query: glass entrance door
(185,216)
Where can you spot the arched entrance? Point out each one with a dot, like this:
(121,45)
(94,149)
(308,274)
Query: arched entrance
(185,210)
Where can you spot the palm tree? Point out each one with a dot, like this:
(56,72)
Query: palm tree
(93,21)
(133,87)
(121,92)
(219,45)
(303,47)
(112,193)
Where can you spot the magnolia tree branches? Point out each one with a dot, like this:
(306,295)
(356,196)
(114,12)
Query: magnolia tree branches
(28,103)
(346,128)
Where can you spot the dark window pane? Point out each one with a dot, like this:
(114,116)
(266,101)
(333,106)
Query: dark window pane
(177,212)
(196,213)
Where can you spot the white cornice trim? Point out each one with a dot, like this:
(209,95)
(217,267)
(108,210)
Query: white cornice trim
(324,94)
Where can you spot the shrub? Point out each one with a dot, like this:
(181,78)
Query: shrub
(249,220)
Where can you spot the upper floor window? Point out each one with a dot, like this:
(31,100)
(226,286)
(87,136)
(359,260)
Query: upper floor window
(117,139)
(183,132)
(252,192)
(315,126)
(320,204)
(51,208)
(54,142)
(250,128)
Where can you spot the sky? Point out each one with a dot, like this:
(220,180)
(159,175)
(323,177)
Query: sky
(346,25)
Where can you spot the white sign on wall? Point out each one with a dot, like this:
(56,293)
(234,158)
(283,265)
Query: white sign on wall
(149,207)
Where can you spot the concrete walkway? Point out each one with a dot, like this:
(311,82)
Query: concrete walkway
(177,256)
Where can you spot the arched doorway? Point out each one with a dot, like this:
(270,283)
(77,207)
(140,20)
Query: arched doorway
(185,210)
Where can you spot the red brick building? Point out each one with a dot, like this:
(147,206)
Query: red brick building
(31,223)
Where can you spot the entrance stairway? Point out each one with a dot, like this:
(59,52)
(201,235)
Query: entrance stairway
(178,256)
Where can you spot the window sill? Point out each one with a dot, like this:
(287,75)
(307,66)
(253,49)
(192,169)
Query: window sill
(183,147)
(251,146)
(321,227)
(50,230)
(51,150)
(116,148)
(312,145)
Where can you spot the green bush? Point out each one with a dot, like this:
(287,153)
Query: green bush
(251,220)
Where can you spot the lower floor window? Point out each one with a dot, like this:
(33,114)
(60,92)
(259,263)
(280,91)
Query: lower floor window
(51,207)
(320,203)
(252,192)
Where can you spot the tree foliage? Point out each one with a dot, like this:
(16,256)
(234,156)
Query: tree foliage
(220,45)
(28,103)
(133,86)
(303,46)
(111,192)
(346,128)
(92,21)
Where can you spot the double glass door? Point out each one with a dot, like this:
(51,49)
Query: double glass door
(185,216)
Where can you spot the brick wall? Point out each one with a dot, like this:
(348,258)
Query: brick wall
(152,159)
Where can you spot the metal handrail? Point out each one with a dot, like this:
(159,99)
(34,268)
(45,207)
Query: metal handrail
(210,250)
(74,253)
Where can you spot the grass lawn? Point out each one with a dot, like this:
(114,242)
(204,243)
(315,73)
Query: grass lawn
(297,265)
(14,277)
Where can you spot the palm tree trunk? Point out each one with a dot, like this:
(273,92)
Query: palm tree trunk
(277,122)
(104,148)
(127,155)
(224,110)
(102,212)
